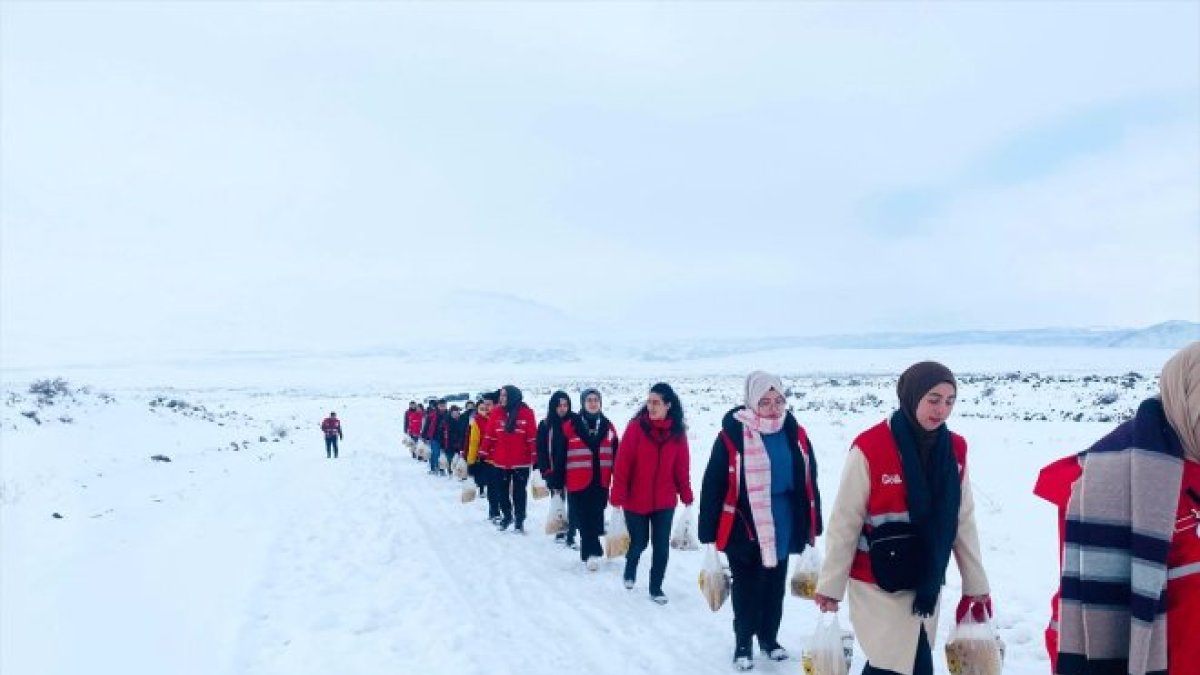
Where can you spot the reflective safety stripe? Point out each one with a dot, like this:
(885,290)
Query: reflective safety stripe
(578,465)
(604,463)
(863,545)
(1183,571)
(877,520)
(579,453)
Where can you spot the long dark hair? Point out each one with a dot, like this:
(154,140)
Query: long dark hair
(514,403)
(552,417)
(674,412)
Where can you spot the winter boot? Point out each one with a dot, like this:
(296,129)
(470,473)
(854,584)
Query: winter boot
(743,658)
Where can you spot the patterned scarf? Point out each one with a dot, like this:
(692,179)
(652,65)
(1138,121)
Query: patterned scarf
(1120,520)
(756,467)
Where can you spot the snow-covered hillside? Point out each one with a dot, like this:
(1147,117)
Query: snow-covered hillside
(249,552)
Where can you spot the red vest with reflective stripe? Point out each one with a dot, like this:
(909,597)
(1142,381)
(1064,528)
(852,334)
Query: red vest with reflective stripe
(887,500)
(579,459)
(729,508)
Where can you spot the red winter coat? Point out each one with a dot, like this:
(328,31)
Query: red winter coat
(412,422)
(510,449)
(332,427)
(1054,485)
(648,475)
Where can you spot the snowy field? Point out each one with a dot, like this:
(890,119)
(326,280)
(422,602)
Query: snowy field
(249,552)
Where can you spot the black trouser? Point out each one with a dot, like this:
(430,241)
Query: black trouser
(330,446)
(757,600)
(654,529)
(573,520)
(512,506)
(922,664)
(489,476)
(587,510)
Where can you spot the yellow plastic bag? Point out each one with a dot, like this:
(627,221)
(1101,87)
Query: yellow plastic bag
(974,648)
(804,577)
(616,539)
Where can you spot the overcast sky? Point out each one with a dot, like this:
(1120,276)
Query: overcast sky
(230,175)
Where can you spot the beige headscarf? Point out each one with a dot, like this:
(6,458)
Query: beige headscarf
(758,383)
(1179,385)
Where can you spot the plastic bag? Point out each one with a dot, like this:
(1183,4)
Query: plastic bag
(616,541)
(973,647)
(830,649)
(443,463)
(683,533)
(423,451)
(714,579)
(556,521)
(804,577)
(459,467)
(537,486)
(469,493)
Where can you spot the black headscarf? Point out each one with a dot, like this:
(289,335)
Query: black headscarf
(931,479)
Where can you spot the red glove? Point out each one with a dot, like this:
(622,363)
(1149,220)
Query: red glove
(980,607)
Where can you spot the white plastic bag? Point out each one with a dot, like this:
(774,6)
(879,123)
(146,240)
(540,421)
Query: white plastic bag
(804,577)
(459,467)
(443,463)
(714,579)
(423,451)
(556,521)
(469,493)
(683,533)
(537,486)
(974,648)
(828,651)
(616,539)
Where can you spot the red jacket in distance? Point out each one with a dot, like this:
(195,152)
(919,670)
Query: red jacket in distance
(650,470)
(332,427)
(510,449)
(412,422)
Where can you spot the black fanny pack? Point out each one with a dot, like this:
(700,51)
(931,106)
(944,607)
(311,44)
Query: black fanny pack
(897,558)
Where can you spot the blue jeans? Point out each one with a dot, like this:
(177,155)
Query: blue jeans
(435,453)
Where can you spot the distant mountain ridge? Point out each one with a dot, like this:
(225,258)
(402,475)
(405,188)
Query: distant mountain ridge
(563,349)
(1166,335)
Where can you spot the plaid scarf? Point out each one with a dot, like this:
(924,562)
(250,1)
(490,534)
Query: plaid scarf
(1120,520)
(756,467)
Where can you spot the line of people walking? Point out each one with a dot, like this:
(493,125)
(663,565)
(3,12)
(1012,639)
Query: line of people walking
(904,507)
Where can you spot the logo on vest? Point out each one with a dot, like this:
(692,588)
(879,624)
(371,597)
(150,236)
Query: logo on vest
(892,479)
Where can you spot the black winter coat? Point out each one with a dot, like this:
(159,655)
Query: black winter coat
(743,539)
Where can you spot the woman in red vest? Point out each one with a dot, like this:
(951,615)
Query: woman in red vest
(770,509)
(651,470)
(588,456)
(509,443)
(903,505)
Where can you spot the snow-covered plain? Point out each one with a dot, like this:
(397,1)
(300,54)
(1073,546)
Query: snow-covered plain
(249,552)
